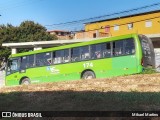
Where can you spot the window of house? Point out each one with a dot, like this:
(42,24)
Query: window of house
(107,29)
(94,35)
(130,26)
(148,23)
(116,27)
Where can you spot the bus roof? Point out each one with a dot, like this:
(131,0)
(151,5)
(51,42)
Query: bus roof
(98,40)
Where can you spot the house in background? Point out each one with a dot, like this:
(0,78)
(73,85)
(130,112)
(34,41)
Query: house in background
(147,23)
(61,34)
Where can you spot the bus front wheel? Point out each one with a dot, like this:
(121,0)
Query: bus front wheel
(25,81)
(88,75)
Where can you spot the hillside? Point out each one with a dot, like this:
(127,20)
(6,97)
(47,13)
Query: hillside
(135,92)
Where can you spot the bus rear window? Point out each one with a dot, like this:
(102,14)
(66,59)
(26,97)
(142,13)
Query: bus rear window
(145,46)
(147,51)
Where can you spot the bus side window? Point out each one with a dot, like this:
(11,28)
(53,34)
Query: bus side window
(30,61)
(96,51)
(106,50)
(43,59)
(66,57)
(54,55)
(84,51)
(47,59)
(61,56)
(129,47)
(57,57)
(75,53)
(23,62)
(93,49)
(118,48)
(27,62)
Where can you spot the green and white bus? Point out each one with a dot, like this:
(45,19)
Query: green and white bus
(101,58)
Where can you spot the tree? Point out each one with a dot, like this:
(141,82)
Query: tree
(6,35)
(28,31)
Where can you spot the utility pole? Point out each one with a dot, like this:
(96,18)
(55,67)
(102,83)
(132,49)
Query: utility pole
(0,27)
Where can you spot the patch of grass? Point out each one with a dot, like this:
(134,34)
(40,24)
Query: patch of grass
(11,99)
(149,71)
(133,90)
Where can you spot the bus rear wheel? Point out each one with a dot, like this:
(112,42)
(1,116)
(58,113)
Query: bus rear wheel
(25,81)
(88,75)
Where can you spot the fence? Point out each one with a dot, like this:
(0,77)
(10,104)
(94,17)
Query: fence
(2,77)
(157,61)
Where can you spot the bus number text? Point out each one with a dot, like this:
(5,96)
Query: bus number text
(88,64)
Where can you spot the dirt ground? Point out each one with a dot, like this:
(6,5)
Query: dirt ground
(132,83)
(128,93)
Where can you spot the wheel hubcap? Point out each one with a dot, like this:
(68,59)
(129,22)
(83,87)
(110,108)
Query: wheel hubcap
(26,83)
(88,77)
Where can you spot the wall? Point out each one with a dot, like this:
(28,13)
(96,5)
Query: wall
(138,25)
(157,59)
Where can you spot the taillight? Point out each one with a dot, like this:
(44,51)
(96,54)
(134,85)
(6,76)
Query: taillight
(142,61)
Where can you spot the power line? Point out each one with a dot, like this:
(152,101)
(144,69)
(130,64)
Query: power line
(116,13)
(73,24)
(151,18)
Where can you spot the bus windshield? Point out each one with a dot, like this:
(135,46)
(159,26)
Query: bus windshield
(12,66)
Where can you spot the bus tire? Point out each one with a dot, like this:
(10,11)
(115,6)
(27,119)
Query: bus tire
(88,75)
(25,81)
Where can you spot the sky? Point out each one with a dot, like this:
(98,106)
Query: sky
(49,12)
